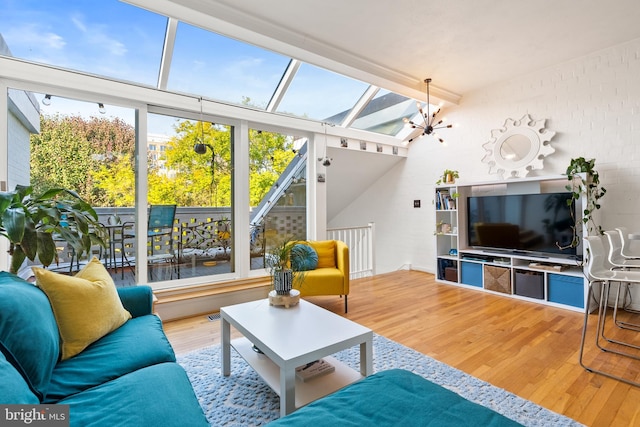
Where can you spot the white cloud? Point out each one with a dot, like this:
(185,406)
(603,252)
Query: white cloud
(34,39)
(77,21)
(98,35)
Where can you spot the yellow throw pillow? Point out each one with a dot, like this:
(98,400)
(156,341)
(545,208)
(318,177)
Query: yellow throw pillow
(326,250)
(86,306)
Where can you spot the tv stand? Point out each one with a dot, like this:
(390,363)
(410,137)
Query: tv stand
(536,277)
(531,255)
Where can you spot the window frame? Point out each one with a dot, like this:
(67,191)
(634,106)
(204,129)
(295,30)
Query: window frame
(36,78)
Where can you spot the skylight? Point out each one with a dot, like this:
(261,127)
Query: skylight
(116,40)
(106,38)
(221,68)
(319,94)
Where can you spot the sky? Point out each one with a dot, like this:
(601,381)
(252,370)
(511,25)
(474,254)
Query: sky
(118,40)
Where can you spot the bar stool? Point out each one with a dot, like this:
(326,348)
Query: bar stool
(599,271)
(619,262)
(626,249)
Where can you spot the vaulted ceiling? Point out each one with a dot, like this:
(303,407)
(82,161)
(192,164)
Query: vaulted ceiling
(463,45)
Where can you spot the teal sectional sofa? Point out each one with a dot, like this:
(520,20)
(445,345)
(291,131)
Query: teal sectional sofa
(128,377)
(394,398)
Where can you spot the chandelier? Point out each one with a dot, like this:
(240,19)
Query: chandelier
(430,122)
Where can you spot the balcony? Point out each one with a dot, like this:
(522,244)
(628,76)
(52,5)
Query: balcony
(200,244)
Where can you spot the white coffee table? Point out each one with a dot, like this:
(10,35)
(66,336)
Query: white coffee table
(292,337)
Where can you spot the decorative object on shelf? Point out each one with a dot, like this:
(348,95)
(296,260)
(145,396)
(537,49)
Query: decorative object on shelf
(589,186)
(30,223)
(444,200)
(448,177)
(518,147)
(430,122)
(314,369)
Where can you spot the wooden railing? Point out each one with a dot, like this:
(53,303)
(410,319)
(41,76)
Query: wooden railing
(360,241)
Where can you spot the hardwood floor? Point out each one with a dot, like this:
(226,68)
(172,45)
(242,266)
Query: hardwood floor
(523,347)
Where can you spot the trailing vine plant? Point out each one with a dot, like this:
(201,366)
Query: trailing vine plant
(589,186)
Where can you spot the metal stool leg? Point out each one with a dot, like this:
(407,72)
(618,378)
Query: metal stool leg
(584,334)
(620,323)
(601,334)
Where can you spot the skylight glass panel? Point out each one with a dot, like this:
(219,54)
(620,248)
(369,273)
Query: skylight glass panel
(321,95)
(221,68)
(108,38)
(385,112)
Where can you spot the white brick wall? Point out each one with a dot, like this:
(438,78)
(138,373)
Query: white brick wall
(593,103)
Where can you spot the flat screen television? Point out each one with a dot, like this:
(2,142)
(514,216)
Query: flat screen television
(534,224)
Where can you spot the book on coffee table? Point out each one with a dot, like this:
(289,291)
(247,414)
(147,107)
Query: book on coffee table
(314,369)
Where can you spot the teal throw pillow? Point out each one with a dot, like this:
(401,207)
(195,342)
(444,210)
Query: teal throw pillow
(303,258)
(29,336)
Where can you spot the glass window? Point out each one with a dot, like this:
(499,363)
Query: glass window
(190,233)
(277,191)
(322,95)
(385,112)
(221,68)
(69,144)
(108,37)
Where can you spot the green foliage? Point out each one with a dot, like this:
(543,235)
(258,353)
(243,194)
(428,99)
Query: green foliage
(448,174)
(95,157)
(31,222)
(115,183)
(588,186)
(278,258)
(68,151)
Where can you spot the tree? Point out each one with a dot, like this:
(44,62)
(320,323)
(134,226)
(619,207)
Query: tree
(115,182)
(94,157)
(70,149)
(269,155)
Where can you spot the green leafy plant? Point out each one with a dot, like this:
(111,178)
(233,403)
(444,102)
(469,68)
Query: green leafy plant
(31,223)
(584,180)
(448,176)
(278,262)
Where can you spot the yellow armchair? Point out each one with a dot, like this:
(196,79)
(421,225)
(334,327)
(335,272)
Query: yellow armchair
(331,277)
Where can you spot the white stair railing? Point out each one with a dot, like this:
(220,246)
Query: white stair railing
(360,241)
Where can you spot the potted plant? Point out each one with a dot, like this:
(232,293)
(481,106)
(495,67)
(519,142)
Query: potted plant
(584,180)
(30,223)
(448,177)
(278,262)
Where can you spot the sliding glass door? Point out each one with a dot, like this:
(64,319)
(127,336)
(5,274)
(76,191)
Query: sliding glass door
(189,174)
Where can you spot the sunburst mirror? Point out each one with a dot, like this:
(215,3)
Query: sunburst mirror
(518,147)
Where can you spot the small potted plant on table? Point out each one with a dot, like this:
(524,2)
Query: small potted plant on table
(283,276)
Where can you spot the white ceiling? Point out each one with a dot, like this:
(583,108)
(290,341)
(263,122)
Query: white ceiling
(463,45)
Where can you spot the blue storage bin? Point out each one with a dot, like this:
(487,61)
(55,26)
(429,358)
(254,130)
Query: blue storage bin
(471,274)
(568,290)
